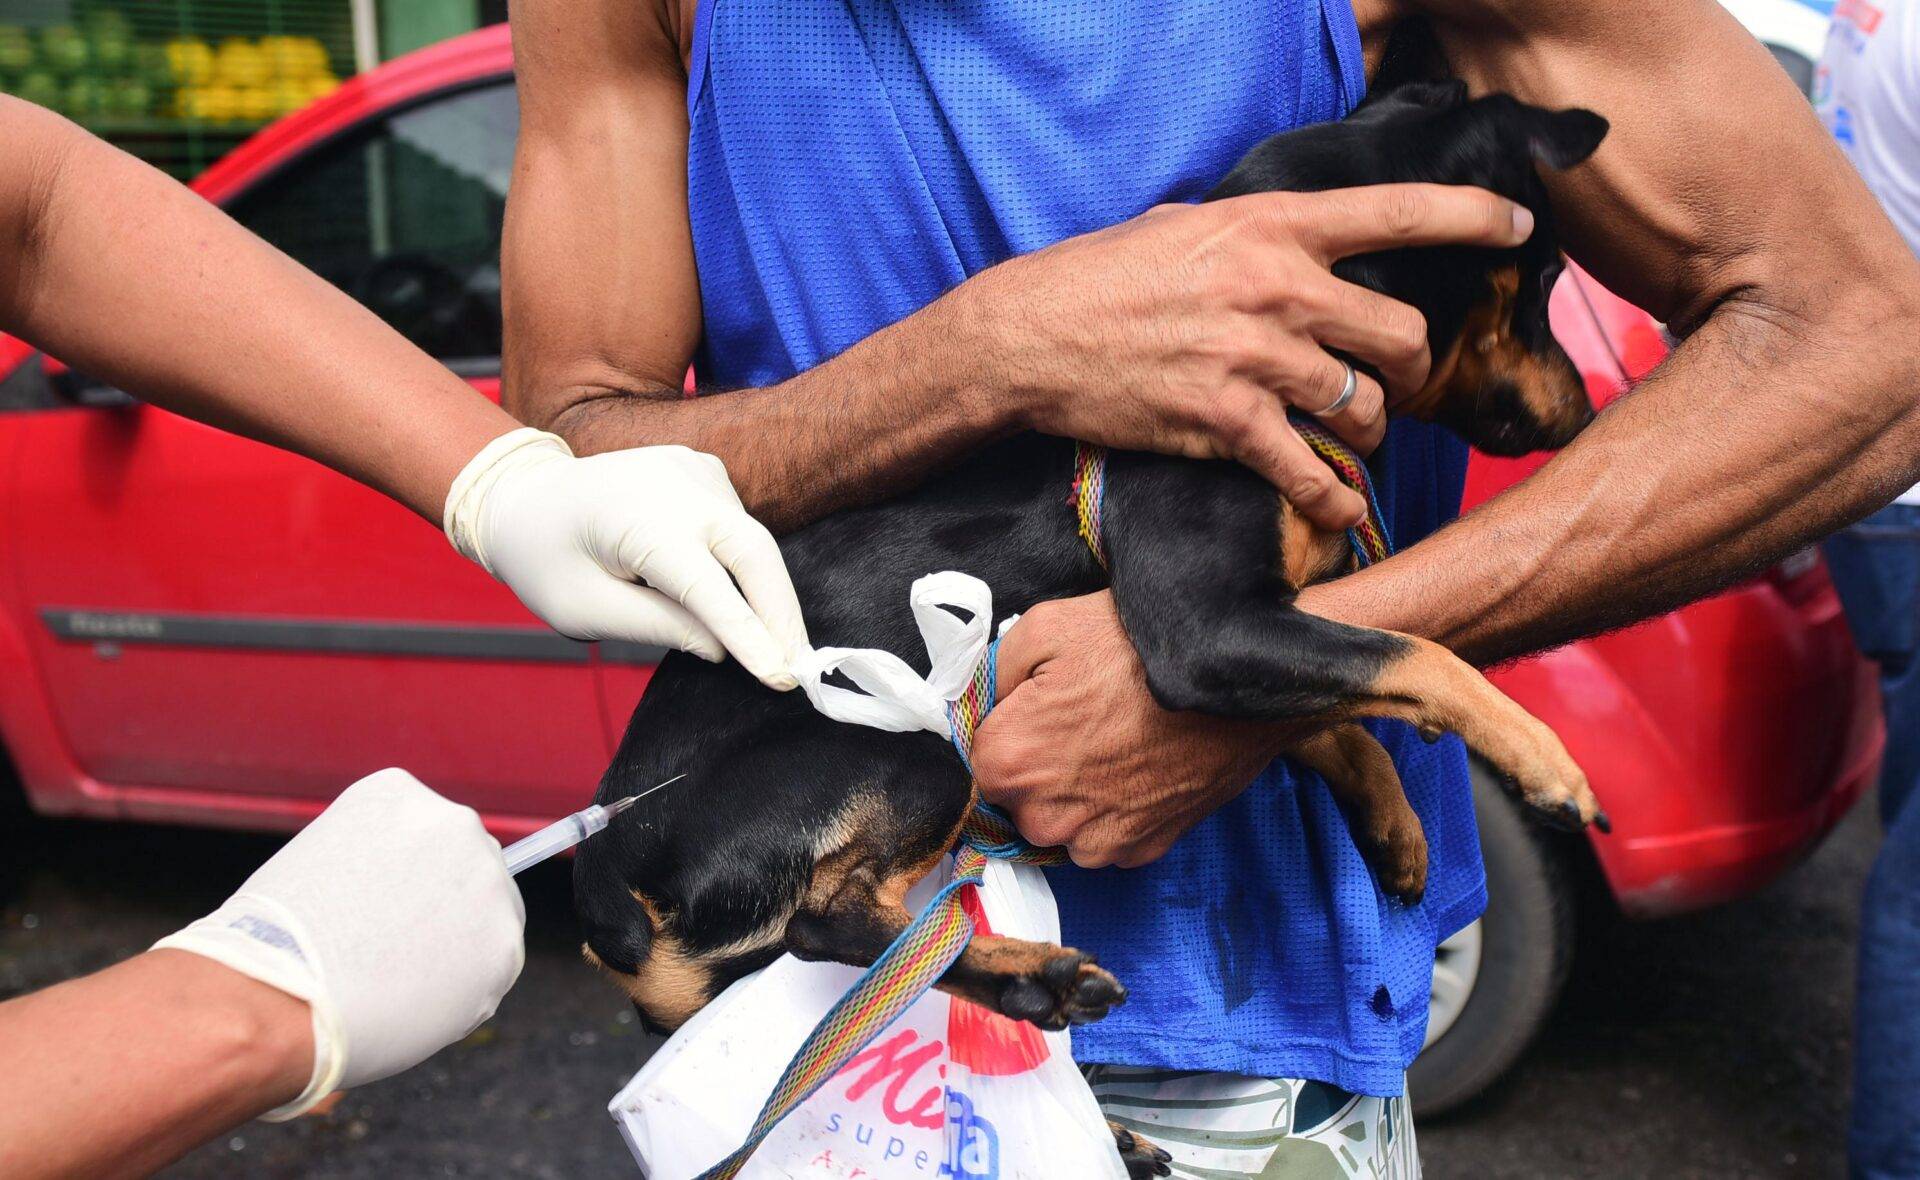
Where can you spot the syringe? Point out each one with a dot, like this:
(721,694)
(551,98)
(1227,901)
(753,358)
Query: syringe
(563,834)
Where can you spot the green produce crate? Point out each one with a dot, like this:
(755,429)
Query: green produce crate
(176,82)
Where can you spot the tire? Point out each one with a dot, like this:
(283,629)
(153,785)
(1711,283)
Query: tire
(17,834)
(1497,981)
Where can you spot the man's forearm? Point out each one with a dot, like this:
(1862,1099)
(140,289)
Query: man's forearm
(1762,433)
(906,401)
(124,1071)
(115,268)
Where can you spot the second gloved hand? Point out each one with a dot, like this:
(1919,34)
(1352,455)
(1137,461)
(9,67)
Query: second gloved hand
(391,915)
(574,538)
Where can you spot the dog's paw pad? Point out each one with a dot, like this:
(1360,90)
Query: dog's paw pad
(1093,994)
(1406,890)
(1026,998)
(1396,854)
(1068,989)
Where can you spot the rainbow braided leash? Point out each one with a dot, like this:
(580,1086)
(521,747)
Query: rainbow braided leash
(917,958)
(929,945)
(1369,538)
(1089,498)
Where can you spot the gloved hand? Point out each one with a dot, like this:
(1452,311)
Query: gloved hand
(392,915)
(573,537)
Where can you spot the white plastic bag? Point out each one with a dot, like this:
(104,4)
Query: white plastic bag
(949,1089)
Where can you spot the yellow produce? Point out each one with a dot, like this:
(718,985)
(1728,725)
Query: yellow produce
(322,86)
(313,56)
(256,104)
(282,57)
(190,60)
(240,63)
(288,95)
(217,104)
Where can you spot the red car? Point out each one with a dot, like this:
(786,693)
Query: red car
(199,629)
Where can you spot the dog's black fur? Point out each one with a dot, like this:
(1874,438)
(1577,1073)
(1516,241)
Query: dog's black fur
(797,833)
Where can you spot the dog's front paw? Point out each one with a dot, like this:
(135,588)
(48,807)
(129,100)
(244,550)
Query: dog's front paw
(1551,783)
(1069,988)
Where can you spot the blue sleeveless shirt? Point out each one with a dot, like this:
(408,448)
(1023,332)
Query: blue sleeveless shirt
(852,160)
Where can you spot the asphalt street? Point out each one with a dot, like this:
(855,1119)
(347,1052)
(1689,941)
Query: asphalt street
(1713,1045)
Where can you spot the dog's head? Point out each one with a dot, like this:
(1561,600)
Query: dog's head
(1499,378)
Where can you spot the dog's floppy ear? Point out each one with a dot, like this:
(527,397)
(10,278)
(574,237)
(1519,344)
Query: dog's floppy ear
(1561,139)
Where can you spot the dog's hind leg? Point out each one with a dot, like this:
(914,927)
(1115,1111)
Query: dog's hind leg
(855,913)
(1198,577)
(1436,691)
(1270,649)
(1365,784)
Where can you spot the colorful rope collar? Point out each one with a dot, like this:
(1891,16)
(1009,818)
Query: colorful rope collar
(1369,538)
(1090,496)
(918,957)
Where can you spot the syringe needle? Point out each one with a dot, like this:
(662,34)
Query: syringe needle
(564,833)
(620,805)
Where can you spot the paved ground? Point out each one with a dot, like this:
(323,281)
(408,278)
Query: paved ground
(1708,1046)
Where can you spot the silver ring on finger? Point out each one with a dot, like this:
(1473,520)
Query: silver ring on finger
(1347,391)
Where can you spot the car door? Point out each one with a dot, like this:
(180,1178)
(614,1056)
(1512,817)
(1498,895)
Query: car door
(218,618)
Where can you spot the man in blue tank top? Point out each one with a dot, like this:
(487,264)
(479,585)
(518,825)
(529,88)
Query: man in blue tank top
(900,229)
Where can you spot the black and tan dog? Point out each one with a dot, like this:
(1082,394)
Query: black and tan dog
(794,833)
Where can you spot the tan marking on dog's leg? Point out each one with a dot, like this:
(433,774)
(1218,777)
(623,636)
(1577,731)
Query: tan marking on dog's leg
(1309,554)
(1436,690)
(854,903)
(1384,825)
(849,916)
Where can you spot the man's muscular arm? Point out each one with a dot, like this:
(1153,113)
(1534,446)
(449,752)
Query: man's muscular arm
(1792,407)
(602,302)
(1717,202)
(1187,330)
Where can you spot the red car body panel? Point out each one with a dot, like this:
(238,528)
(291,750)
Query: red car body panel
(1725,738)
(118,515)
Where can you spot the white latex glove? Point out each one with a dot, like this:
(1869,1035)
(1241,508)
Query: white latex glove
(392,915)
(574,537)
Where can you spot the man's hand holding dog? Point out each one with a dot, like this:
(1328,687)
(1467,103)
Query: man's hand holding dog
(1192,329)
(1082,757)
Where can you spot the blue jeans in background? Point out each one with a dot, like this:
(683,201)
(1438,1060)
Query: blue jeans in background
(1876,567)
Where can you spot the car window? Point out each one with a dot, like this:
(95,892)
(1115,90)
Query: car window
(404,215)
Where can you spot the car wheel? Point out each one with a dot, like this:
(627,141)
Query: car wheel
(1495,982)
(16,834)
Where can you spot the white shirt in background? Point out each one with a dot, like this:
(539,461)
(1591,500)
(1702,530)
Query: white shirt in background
(1867,91)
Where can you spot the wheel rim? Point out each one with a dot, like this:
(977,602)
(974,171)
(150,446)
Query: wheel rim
(1456,964)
